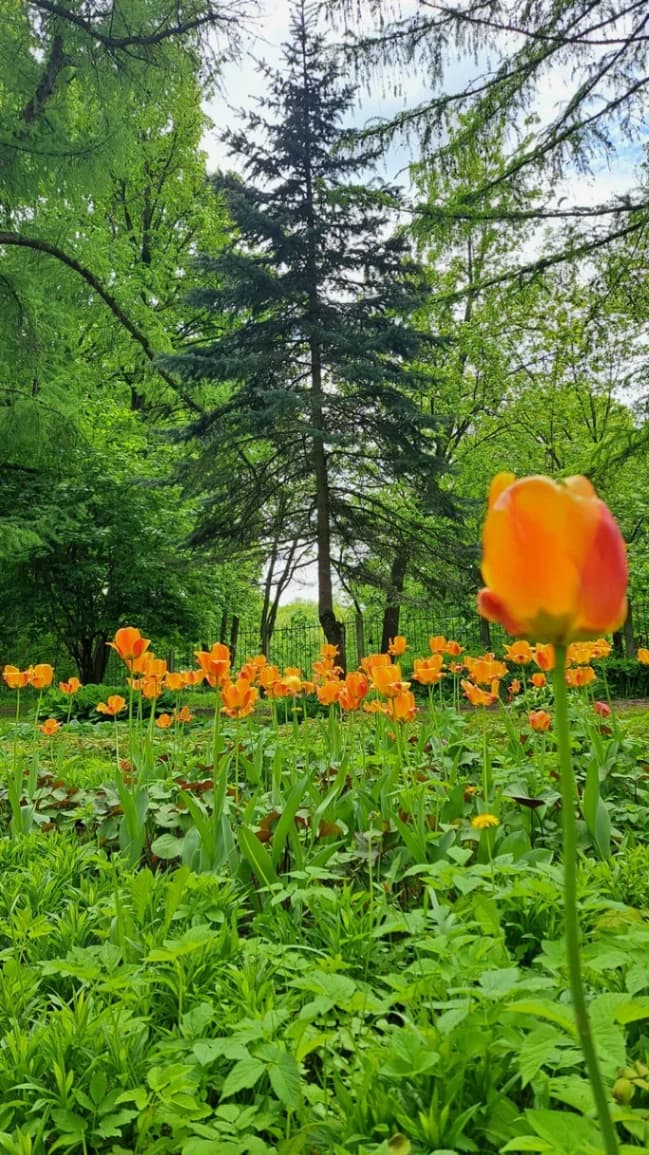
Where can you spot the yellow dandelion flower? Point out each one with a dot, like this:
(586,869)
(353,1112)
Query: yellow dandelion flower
(483,821)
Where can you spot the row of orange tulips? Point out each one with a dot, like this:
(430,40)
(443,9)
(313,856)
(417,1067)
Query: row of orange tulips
(239,693)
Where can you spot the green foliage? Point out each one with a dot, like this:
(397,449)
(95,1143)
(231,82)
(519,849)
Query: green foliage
(300,948)
(626,678)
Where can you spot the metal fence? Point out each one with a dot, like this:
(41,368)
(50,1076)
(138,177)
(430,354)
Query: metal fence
(299,645)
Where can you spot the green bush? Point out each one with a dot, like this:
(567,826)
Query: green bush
(625,677)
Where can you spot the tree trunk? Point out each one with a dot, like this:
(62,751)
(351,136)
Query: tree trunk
(618,644)
(627,632)
(91,657)
(392,610)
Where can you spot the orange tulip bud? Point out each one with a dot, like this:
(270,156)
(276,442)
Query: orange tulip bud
(554,560)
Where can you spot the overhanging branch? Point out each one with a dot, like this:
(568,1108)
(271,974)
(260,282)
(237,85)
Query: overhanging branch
(38,245)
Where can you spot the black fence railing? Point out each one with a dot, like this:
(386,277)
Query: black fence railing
(299,644)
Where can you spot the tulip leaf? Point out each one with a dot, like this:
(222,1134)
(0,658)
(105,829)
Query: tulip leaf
(257,858)
(595,812)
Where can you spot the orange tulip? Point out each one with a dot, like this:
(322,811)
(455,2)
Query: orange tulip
(554,560)
(268,676)
(437,644)
(353,690)
(453,649)
(215,663)
(41,675)
(149,666)
(376,707)
(164,721)
(484,670)
(49,727)
(239,698)
(16,679)
(402,707)
(428,671)
(371,660)
(582,676)
(292,684)
(519,652)
(539,720)
(515,687)
(174,681)
(544,657)
(70,687)
(397,646)
(184,715)
(601,648)
(538,681)
(642,656)
(329,692)
(113,706)
(476,696)
(579,653)
(129,644)
(151,686)
(387,680)
(328,651)
(192,677)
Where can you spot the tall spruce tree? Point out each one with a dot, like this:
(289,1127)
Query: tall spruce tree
(305,327)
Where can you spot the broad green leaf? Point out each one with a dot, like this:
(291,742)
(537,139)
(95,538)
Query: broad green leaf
(244,1075)
(542,1010)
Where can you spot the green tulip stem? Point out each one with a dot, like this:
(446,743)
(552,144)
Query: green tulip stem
(571,915)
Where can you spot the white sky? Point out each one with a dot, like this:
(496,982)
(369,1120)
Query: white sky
(242,83)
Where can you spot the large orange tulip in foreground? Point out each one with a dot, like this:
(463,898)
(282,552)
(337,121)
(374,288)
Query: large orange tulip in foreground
(554,560)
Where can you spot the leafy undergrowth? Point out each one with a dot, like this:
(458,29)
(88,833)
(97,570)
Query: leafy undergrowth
(327,937)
